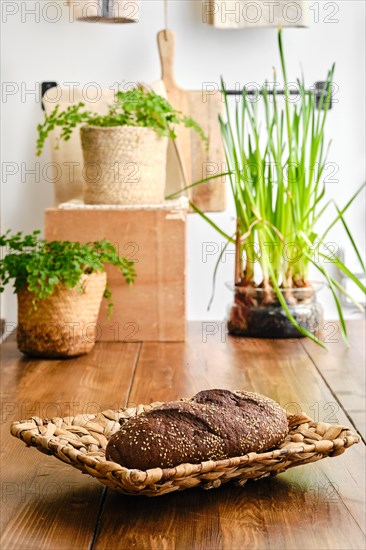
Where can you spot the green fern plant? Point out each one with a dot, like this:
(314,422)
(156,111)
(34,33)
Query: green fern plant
(137,107)
(41,266)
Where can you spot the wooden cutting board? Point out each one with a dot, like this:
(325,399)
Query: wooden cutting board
(198,161)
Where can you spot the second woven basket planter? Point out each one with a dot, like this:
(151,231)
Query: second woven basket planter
(64,324)
(123,165)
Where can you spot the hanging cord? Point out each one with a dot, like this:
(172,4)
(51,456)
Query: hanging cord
(166,18)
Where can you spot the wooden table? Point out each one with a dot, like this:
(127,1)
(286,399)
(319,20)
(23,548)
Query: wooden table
(46,504)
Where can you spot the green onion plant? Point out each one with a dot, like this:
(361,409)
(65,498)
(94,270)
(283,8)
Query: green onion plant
(275,172)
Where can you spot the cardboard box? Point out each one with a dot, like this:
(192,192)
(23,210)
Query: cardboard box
(155,238)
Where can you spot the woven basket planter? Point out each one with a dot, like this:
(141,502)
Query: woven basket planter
(123,165)
(81,441)
(64,324)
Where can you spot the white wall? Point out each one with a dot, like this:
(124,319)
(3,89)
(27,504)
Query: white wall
(34,51)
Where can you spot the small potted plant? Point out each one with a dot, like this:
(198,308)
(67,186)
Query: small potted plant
(278,191)
(125,151)
(60,286)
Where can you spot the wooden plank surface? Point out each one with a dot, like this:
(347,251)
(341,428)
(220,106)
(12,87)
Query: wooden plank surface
(314,506)
(45,503)
(343,369)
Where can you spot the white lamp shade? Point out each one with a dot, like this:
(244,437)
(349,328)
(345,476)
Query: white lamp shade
(105,11)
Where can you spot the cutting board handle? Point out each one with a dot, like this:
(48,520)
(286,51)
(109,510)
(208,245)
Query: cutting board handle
(166,43)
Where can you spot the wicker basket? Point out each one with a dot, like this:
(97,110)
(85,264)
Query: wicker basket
(81,442)
(64,324)
(123,165)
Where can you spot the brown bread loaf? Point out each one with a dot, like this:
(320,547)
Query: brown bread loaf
(213,425)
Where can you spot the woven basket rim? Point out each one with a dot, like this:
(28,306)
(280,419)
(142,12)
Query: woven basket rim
(208,465)
(136,479)
(62,286)
(121,127)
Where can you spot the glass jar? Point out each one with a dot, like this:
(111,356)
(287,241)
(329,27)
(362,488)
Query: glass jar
(257,313)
